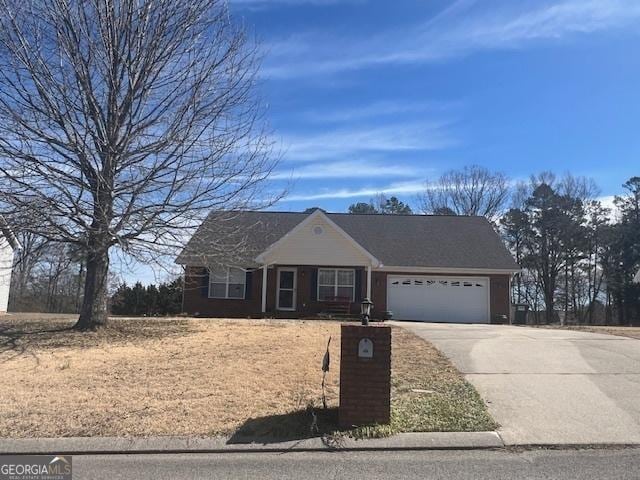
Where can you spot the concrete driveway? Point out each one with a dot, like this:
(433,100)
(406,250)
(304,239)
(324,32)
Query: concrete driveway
(547,386)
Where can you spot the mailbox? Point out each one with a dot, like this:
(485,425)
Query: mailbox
(365,375)
(365,348)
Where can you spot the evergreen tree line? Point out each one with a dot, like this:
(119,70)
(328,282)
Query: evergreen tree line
(579,257)
(381,204)
(150,300)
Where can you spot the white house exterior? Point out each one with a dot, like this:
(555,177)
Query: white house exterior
(637,277)
(8,244)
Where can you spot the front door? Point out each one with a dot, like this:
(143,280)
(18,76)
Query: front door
(286,299)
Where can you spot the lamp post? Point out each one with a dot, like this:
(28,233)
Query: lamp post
(365,311)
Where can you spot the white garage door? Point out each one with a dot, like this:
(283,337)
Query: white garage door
(438,299)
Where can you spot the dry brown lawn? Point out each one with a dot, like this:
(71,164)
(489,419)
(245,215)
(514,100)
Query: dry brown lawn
(631,332)
(198,377)
(159,377)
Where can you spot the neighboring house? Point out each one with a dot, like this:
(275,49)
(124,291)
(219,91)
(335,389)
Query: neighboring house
(8,243)
(429,268)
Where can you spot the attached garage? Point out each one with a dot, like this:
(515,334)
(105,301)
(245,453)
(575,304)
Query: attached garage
(439,299)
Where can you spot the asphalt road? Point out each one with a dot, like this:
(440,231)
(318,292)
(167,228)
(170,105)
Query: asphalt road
(548,386)
(442,465)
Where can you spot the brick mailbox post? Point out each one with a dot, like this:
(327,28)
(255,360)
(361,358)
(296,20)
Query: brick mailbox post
(365,375)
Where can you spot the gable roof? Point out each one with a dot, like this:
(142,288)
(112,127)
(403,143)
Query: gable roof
(6,232)
(637,277)
(319,215)
(395,240)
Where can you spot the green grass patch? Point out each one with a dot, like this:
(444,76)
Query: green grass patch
(428,394)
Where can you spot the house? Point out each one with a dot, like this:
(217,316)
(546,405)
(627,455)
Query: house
(8,243)
(428,268)
(637,277)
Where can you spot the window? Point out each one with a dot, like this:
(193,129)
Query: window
(336,283)
(227,283)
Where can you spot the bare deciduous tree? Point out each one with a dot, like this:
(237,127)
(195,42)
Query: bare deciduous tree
(47,277)
(474,190)
(581,188)
(26,259)
(122,122)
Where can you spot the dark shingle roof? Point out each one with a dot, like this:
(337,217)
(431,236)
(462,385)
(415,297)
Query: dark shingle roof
(395,240)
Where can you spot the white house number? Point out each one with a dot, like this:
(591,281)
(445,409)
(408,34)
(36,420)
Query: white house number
(365,348)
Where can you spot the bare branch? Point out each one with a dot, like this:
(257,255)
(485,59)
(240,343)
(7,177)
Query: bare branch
(474,190)
(123,122)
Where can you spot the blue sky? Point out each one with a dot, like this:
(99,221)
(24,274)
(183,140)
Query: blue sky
(377,96)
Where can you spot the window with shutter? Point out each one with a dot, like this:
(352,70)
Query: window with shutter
(227,283)
(336,282)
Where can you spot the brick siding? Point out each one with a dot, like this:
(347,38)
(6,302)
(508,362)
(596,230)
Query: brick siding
(365,383)
(196,301)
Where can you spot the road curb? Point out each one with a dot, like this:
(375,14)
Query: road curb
(150,445)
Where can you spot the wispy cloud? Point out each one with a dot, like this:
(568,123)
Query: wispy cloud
(397,188)
(379,110)
(347,142)
(351,169)
(464,28)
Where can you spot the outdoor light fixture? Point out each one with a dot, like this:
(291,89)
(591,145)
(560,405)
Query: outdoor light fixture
(365,311)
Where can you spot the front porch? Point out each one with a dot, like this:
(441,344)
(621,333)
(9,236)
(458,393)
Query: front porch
(281,291)
(311,290)
(316,267)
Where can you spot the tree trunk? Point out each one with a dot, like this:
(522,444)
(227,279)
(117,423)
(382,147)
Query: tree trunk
(563,321)
(549,313)
(93,313)
(574,294)
(79,287)
(549,300)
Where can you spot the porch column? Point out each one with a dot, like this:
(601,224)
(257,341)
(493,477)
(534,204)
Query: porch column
(369,282)
(264,288)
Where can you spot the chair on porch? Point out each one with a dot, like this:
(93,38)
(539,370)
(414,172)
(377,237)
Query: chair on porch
(337,305)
